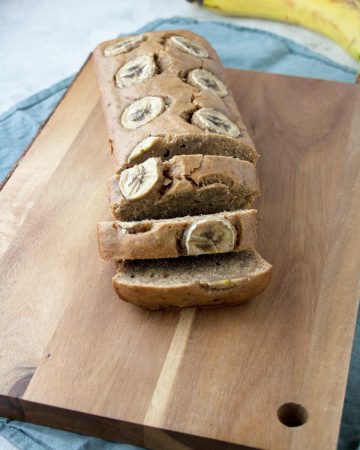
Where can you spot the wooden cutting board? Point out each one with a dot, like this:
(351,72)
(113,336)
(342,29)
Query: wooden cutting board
(75,357)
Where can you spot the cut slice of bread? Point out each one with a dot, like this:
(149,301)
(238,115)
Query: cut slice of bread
(184,185)
(170,238)
(207,280)
(168,146)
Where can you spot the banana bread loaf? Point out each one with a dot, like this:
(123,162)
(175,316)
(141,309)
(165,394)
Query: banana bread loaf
(185,174)
(164,94)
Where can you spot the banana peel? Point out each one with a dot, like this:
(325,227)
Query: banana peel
(339,20)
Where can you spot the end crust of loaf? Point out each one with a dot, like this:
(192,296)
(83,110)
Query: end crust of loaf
(190,185)
(152,239)
(205,281)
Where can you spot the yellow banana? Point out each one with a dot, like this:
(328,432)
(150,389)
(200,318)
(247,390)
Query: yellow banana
(337,19)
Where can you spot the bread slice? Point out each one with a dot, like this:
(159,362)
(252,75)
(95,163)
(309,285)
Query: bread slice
(207,280)
(170,238)
(184,185)
(169,145)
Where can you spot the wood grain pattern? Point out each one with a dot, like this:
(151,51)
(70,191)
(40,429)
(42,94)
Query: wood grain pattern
(73,356)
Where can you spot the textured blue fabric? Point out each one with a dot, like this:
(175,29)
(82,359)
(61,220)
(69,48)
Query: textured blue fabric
(27,436)
(238,47)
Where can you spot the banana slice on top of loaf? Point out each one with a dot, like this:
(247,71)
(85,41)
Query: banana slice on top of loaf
(184,185)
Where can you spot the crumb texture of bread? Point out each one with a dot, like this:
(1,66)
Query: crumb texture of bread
(206,280)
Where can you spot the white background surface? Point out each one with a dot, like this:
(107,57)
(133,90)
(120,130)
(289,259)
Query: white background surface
(43,41)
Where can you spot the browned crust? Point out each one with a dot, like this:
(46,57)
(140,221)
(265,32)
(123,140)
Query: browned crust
(182,96)
(152,239)
(193,293)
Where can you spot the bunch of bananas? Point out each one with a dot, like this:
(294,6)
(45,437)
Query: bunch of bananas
(337,19)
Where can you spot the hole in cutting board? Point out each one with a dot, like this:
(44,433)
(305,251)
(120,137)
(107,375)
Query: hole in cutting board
(292,414)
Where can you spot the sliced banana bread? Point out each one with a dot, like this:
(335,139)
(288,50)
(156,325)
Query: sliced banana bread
(181,149)
(206,280)
(163,94)
(184,185)
(170,238)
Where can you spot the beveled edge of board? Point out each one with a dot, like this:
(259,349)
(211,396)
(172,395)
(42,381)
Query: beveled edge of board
(108,428)
(42,126)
